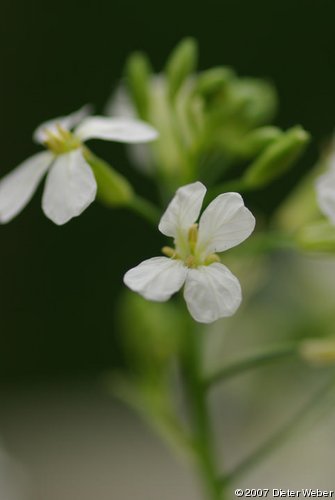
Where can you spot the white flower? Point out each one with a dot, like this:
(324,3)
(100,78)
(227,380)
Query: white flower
(70,185)
(325,190)
(211,291)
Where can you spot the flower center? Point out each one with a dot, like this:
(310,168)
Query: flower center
(192,258)
(60,140)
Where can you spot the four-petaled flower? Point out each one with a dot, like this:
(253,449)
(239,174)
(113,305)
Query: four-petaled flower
(325,190)
(70,185)
(211,291)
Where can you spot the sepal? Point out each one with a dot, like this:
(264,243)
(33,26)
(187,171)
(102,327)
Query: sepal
(113,189)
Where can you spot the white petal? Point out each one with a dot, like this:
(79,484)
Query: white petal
(157,278)
(67,122)
(225,223)
(69,189)
(120,105)
(115,129)
(17,187)
(183,210)
(325,190)
(212,292)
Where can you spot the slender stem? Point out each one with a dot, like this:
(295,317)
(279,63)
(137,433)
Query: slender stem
(196,393)
(249,363)
(145,208)
(280,435)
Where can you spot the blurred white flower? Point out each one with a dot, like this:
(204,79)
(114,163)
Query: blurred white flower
(325,190)
(211,291)
(70,185)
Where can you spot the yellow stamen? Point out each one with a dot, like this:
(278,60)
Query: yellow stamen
(191,261)
(211,258)
(63,133)
(170,252)
(193,236)
(60,141)
(193,233)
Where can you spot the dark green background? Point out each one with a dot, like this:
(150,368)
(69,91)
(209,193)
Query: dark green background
(59,285)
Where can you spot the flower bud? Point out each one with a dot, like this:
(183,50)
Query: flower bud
(138,74)
(181,63)
(256,141)
(318,352)
(151,333)
(318,237)
(278,157)
(256,99)
(213,80)
(113,189)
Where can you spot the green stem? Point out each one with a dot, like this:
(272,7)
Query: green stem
(279,436)
(249,363)
(196,393)
(145,208)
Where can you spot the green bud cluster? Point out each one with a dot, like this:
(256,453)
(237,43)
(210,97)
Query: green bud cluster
(209,121)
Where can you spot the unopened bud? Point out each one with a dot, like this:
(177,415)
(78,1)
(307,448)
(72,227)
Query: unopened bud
(138,74)
(257,100)
(181,63)
(318,351)
(256,141)
(213,80)
(151,333)
(277,158)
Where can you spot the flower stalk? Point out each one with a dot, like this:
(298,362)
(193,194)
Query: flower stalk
(250,363)
(196,395)
(145,209)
